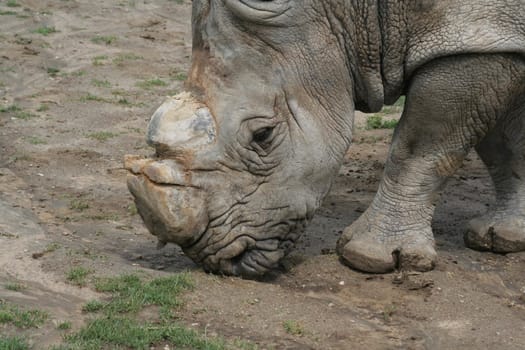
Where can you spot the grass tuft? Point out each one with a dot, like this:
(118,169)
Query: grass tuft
(99,60)
(13,343)
(151,83)
(102,136)
(293,327)
(90,97)
(123,57)
(78,276)
(64,326)
(78,205)
(104,39)
(42,108)
(93,306)
(377,122)
(52,71)
(101,83)
(116,332)
(12,3)
(15,287)
(117,328)
(36,141)
(25,115)
(12,314)
(45,31)
(10,109)
(130,294)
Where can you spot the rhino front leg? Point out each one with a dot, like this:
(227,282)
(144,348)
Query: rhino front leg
(451,105)
(502,229)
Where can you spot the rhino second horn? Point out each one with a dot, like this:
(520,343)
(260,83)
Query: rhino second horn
(181,123)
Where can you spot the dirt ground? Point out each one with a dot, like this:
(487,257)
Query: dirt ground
(85,76)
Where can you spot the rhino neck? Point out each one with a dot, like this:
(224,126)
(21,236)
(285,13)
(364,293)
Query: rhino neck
(356,25)
(393,20)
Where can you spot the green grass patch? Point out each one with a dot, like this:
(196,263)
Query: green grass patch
(376,122)
(117,328)
(10,109)
(51,247)
(123,101)
(64,326)
(8,13)
(45,31)
(104,39)
(123,57)
(42,108)
(12,3)
(15,287)
(14,315)
(122,332)
(13,343)
(181,77)
(36,141)
(177,75)
(78,276)
(131,294)
(99,60)
(293,327)
(93,306)
(104,217)
(101,136)
(52,71)
(389,311)
(79,73)
(400,102)
(78,205)
(132,209)
(90,97)
(25,115)
(101,83)
(151,83)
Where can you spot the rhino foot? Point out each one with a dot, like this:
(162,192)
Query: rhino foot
(496,232)
(367,248)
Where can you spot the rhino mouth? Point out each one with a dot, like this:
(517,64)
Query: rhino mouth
(253,261)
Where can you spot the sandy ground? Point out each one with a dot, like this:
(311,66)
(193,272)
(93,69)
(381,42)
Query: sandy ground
(85,92)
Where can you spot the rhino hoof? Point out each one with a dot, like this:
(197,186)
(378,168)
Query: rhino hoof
(370,252)
(500,235)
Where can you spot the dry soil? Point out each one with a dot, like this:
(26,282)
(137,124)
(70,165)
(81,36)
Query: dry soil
(86,76)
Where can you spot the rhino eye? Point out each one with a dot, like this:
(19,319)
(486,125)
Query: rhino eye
(263,136)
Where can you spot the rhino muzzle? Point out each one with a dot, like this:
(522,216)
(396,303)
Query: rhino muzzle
(172,208)
(172,212)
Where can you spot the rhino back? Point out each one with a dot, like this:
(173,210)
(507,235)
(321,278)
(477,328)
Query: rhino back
(440,28)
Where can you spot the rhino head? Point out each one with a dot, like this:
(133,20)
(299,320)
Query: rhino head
(247,153)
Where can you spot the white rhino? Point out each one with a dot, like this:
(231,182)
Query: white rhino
(246,155)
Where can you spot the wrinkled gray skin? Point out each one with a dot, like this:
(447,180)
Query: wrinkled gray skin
(246,155)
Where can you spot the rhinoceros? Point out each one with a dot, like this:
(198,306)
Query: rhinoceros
(248,152)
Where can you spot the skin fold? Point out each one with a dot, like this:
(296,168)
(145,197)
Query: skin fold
(247,153)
